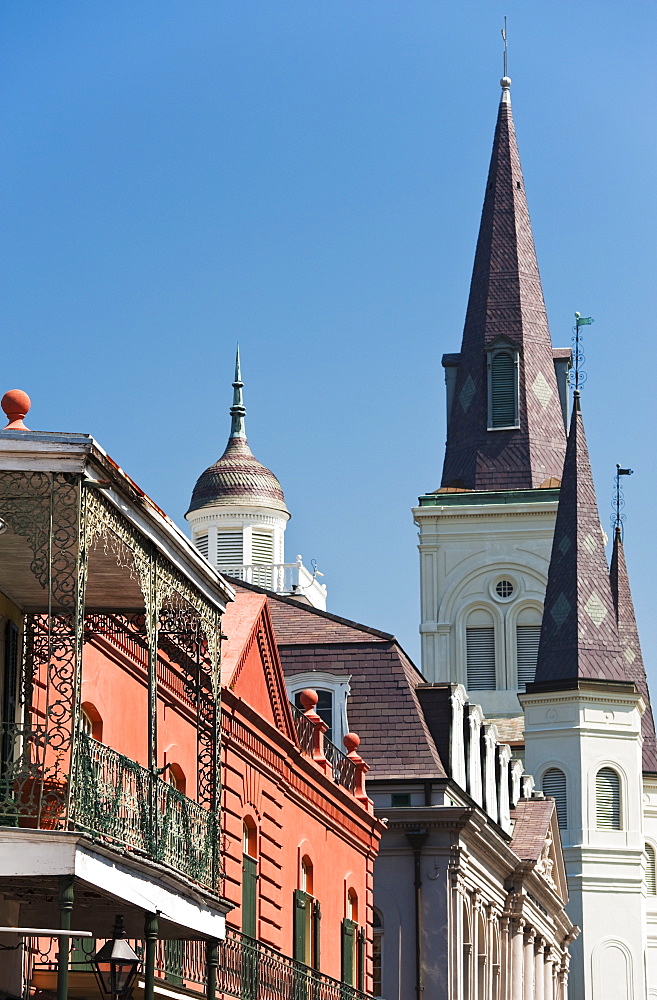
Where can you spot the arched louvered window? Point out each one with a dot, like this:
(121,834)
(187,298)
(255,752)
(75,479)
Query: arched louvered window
(651,880)
(480,651)
(528,634)
(554,785)
(503,389)
(607,799)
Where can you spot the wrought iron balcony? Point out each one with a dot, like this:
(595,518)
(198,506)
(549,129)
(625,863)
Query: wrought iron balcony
(248,969)
(111,797)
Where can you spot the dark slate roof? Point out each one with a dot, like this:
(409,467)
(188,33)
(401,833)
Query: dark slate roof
(383,705)
(631,647)
(579,637)
(506,299)
(238,478)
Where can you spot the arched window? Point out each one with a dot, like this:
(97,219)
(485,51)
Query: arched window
(377,954)
(249,878)
(176,777)
(306,918)
(467,950)
(502,389)
(651,880)
(353,945)
(607,799)
(554,785)
(90,721)
(480,651)
(528,634)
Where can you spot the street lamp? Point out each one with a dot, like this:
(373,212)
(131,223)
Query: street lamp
(115,964)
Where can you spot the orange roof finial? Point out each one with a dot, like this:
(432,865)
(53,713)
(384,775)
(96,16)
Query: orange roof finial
(16,405)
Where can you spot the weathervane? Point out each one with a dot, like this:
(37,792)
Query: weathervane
(577,375)
(618,502)
(505,47)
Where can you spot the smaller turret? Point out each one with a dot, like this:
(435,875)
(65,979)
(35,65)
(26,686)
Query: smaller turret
(238,516)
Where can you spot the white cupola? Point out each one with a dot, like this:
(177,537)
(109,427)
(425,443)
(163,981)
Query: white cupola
(238,517)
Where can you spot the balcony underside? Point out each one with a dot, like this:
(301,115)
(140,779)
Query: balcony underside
(31,862)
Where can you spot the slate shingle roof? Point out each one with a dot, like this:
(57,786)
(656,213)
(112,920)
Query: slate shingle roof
(532,822)
(506,299)
(238,478)
(579,637)
(631,647)
(383,705)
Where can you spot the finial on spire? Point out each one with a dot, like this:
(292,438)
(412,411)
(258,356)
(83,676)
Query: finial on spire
(505,82)
(238,410)
(578,375)
(618,502)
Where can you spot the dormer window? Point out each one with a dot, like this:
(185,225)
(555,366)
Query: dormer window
(332,692)
(503,371)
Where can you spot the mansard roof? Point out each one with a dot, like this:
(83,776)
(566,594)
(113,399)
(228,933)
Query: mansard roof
(506,300)
(579,637)
(631,647)
(383,705)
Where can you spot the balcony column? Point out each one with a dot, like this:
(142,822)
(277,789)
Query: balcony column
(212,961)
(65,908)
(150,937)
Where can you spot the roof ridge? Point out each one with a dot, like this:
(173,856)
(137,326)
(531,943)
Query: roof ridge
(293,602)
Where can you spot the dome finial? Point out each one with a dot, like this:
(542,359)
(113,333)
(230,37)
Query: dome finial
(238,410)
(16,404)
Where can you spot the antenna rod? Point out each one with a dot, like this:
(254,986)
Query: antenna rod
(505,46)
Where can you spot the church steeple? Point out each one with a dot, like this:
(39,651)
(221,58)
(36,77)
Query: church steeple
(506,423)
(579,636)
(631,647)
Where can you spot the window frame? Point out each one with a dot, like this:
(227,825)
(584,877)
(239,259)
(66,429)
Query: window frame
(338,685)
(499,347)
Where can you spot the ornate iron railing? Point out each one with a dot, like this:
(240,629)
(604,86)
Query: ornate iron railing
(342,769)
(250,970)
(113,797)
(123,801)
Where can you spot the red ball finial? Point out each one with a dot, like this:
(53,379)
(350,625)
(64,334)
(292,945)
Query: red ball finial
(352,742)
(16,405)
(308,699)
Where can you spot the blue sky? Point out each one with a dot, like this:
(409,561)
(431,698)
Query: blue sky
(306,177)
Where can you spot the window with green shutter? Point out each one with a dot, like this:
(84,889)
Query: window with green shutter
(249,895)
(502,389)
(317,922)
(301,921)
(349,928)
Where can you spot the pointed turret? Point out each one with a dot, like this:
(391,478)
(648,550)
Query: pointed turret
(631,647)
(506,417)
(238,409)
(579,637)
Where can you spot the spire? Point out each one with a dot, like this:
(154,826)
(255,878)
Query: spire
(631,647)
(238,410)
(579,637)
(505,310)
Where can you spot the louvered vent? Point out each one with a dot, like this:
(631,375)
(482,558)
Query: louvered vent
(229,548)
(607,799)
(480,649)
(201,543)
(527,640)
(651,880)
(262,547)
(554,785)
(503,390)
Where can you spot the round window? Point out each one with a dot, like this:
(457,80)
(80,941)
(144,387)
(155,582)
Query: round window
(504,589)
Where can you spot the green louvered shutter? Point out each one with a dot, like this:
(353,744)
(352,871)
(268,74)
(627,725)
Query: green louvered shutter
(317,921)
(503,390)
(249,894)
(301,901)
(348,951)
(361,958)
